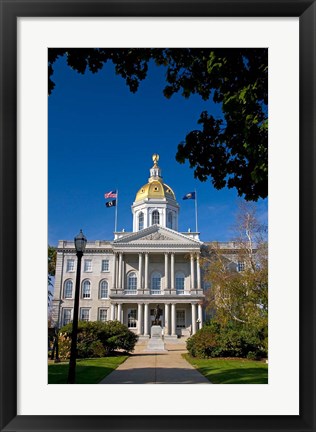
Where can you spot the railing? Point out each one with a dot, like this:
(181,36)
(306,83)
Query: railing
(155,291)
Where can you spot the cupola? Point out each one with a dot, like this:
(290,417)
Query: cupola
(155,202)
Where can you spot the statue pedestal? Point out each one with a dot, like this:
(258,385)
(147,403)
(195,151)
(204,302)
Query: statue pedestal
(156,331)
(156,342)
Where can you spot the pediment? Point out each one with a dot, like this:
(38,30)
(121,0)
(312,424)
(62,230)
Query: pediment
(156,235)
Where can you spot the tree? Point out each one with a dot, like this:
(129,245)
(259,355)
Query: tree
(231,151)
(240,295)
(52,254)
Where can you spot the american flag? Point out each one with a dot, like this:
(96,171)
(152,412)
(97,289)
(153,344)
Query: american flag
(111,194)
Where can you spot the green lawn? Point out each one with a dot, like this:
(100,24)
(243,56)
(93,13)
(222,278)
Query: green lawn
(88,371)
(232,371)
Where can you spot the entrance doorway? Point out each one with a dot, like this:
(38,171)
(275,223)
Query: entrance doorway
(180,318)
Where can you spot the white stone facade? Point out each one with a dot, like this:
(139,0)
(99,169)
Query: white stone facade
(140,270)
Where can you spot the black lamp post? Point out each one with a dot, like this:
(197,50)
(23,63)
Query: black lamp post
(80,244)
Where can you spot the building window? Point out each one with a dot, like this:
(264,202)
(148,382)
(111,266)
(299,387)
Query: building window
(169,220)
(141,221)
(104,289)
(70,265)
(132,282)
(155,217)
(67,316)
(84,314)
(86,289)
(180,318)
(103,315)
(105,265)
(68,289)
(131,318)
(180,278)
(241,266)
(155,283)
(88,265)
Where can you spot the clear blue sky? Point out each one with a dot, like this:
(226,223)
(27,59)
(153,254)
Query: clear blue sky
(102,137)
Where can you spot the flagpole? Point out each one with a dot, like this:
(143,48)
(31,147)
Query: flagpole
(196,217)
(115,225)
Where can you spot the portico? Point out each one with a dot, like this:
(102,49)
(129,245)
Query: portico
(177,319)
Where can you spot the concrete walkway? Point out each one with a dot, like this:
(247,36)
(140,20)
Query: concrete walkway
(156,368)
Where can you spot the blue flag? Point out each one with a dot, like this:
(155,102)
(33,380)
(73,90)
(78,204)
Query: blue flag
(190,195)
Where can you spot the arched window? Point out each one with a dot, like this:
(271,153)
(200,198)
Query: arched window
(169,220)
(68,289)
(86,289)
(132,282)
(155,283)
(141,221)
(180,278)
(155,217)
(104,289)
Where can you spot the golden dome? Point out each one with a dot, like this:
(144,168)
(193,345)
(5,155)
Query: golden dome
(155,188)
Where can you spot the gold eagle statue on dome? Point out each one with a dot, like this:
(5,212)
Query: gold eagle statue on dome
(155,159)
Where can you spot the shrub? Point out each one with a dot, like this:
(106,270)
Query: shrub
(232,340)
(204,344)
(252,356)
(96,339)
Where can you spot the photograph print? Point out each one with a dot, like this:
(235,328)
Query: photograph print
(157,216)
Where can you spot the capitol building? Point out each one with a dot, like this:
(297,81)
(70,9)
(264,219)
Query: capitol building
(126,278)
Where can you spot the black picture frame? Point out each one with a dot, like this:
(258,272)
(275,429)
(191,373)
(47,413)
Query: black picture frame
(10,11)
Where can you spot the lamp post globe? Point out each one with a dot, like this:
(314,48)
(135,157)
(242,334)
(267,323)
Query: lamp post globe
(80,245)
(80,242)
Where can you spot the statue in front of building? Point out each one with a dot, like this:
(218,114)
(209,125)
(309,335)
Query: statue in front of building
(157,314)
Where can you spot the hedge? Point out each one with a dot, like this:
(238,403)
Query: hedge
(214,340)
(96,339)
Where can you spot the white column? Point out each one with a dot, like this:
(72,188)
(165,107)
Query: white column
(173,319)
(198,274)
(146,319)
(112,311)
(140,271)
(193,315)
(166,271)
(192,271)
(200,315)
(114,272)
(120,271)
(167,325)
(172,271)
(123,272)
(146,271)
(119,312)
(140,319)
